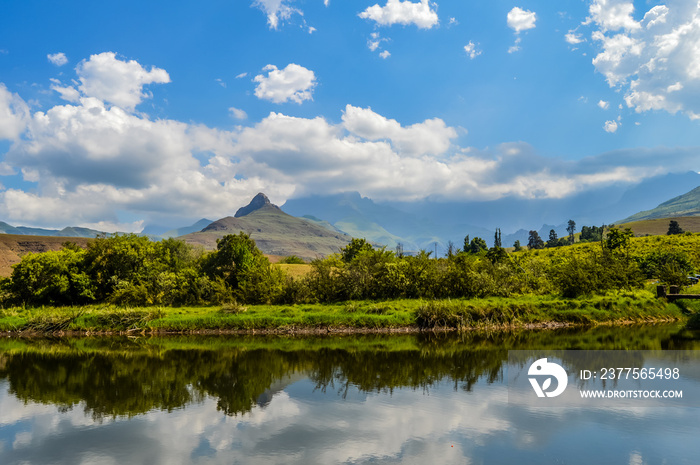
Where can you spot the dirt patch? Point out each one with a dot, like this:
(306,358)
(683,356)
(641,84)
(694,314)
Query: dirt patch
(14,247)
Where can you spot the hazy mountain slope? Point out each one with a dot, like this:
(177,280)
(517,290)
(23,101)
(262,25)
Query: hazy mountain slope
(419,224)
(382,224)
(594,207)
(8,229)
(322,223)
(274,232)
(687,204)
(650,193)
(361,217)
(198,226)
(360,227)
(65,232)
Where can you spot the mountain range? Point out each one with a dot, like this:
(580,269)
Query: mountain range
(65,232)
(419,225)
(321,224)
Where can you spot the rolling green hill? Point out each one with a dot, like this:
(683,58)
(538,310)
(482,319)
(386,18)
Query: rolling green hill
(684,205)
(274,232)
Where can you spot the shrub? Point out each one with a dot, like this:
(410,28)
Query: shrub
(51,278)
(668,266)
(292,260)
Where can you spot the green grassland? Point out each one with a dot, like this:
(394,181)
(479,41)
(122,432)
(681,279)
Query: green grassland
(461,314)
(688,243)
(659,226)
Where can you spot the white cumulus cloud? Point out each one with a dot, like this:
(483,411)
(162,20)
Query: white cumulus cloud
(573,38)
(68,93)
(472,51)
(237,113)
(14,114)
(402,12)
(610,126)
(613,15)
(294,83)
(657,15)
(521,20)
(115,81)
(431,137)
(516,45)
(276,11)
(656,61)
(58,59)
(603,104)
(90,160)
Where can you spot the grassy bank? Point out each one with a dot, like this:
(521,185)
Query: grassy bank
(462,314)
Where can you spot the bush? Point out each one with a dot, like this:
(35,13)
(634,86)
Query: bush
(51,278)
(596,273)
(668,266)
(292,260)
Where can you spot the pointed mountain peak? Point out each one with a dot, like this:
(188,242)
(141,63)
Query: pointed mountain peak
(258,202)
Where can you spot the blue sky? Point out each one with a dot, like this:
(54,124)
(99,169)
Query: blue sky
(118,114)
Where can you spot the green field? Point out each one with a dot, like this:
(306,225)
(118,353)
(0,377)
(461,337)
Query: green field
(463,314)
(659,226)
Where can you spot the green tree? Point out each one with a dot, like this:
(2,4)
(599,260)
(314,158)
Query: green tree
(497,238)
(618,239)
(466,247)
(517,247)
(591,233)
(553,239)
(477,245)
(365,276)
(51,278)
(571,229)
(497,254)
(535,241)
(235,255)
(351,250)
(674,228)
(117,260)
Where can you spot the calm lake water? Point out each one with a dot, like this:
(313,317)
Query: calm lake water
(411,399)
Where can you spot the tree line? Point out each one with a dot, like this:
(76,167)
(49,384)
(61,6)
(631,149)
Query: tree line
(131,270)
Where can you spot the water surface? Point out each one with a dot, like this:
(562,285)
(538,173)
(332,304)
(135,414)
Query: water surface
(346,399)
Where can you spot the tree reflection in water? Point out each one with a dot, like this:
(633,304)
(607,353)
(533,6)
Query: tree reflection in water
(121,377)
